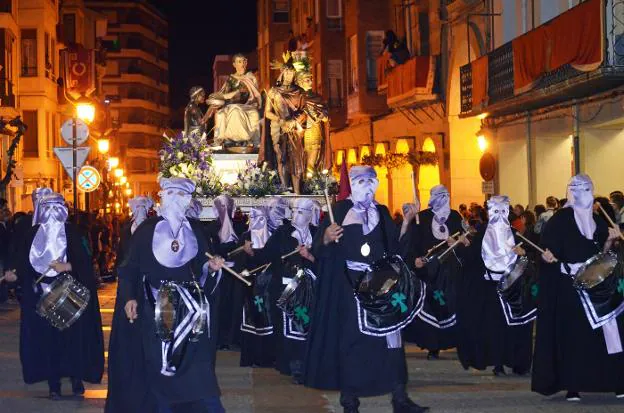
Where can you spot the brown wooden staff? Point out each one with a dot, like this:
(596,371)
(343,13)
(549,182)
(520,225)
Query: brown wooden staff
(235,251)
(231,271)
(291,253)
(435,247)
(613,224)
(329,207)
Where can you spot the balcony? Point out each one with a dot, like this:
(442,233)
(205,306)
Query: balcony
(409,83)
(549,64)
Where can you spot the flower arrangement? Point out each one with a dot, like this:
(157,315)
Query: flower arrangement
(256,181)
(397,160)
(315,183)
(190,157)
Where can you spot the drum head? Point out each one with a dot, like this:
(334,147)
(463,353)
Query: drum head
(514,275)
(381,279)
(165,311)
(595,270)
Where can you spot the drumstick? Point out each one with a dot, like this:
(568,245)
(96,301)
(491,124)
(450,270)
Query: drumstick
(231,271)
(531,243)
(293,252)
(259,268)
(449,249)
(416,202)
(329,208)
(613,224)
(435,247)
(235,251)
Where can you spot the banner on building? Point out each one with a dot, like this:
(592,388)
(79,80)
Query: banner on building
(79,70)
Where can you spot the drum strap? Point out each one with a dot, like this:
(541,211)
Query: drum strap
(493,275)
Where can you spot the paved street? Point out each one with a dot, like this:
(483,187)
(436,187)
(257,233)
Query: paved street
(443,385)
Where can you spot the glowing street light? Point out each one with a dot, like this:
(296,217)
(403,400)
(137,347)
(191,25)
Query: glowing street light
(123,180)
(119,173)
(85,110)
(128,192)
(113,163)
(482,143)
(103,146)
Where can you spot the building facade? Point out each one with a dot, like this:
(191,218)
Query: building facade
(136,84)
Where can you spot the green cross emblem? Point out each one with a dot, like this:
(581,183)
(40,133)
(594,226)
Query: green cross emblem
(258,301)
(439,297)
(620,287)
(398,299)
(534,290)
(301,313)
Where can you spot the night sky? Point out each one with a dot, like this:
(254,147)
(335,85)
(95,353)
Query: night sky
(198,31)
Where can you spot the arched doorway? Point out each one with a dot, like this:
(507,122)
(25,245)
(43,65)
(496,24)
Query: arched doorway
(428,175)
(382,174)
(402,179)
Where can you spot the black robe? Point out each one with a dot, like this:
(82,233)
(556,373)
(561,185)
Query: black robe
(127,387)
(195,378)
(45,352)
(339,356)
(569,354)
(484,337)
(443,278)
(229,301)
(256,350)
(282,242)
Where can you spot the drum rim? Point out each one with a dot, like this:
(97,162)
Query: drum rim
(158,314)
(584,286)
(61,277)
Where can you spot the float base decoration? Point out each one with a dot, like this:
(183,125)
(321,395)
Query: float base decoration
(245,203)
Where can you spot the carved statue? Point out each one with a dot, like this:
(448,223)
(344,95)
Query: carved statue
(236,107)
(194,121)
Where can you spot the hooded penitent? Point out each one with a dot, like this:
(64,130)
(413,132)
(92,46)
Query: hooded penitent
(498,242)
(140,205)
(364,184)
(278,211)
(36,195)
(581,200)
(224,210)
(174,243)
(439,202)
(305,212)
(259,226)
(50,242)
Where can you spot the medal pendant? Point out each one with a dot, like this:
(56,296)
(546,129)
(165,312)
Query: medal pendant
(365,249)
(175,245)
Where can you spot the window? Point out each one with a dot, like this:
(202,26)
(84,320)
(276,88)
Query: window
(6,75)
(69,28)
(54,53)
(374,45)
(335,83)
(48,63)
(353,65)
(31,136)
(280,11)
(5,6)
(29,52)
(334,14)
(49,132)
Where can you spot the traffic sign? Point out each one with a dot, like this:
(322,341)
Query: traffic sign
(66,157)
(88,179)
(82,131)
(487,187)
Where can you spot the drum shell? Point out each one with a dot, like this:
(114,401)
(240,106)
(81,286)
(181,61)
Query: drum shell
(595,270)
(63,302)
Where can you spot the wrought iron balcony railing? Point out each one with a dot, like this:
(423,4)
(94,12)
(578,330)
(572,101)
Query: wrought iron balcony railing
(507,91)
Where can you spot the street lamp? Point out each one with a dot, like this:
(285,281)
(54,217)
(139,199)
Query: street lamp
(123,180)
(113,163)
(103,146)
(85,110)
(482,143)
(128,192)
(119,173)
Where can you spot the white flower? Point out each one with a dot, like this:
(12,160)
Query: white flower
(180,155)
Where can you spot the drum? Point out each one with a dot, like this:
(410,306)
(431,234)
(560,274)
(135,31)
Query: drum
(296,302)
(178,307)
(518,290)
(595,270)
(63,301)
(388,296)
(257,306)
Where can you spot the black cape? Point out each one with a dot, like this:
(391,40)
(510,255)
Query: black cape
(75,352)
(484,338)
(444,278)
(569,355)
(195,378)
(281,243)
(127,388)
(339,356)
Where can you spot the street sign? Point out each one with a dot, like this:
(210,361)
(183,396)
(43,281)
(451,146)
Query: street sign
(82,131)
(66,157)
(88,179)
(487,187)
